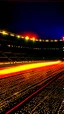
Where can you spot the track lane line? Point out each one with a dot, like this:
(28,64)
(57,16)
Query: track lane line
(30,96)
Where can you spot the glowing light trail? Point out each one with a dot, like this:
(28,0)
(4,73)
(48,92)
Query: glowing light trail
(20,68)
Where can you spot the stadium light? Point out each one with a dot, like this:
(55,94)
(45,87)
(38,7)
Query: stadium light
(18,36)
(46,40)
(55,40)
(63,38)
(11,34)
(36,39)
(27,38)
(4,33)
(40,40)
(33,39)
(52,40)
(60,39)
(22,37)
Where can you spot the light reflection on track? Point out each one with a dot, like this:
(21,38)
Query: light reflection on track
(31,95)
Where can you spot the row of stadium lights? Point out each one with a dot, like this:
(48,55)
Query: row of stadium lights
(27,38)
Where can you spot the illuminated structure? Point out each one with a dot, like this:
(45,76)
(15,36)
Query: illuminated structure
(14,47)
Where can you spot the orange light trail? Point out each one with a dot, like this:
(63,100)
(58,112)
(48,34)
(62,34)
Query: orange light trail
(20,68)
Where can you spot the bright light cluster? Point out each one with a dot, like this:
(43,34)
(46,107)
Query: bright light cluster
(40,40)
(32,39)
(4,32)
(63,38)
(46,40)
(27,38)
(18,36)
(11,34)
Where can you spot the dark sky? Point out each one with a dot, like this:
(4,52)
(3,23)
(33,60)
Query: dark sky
(44,18)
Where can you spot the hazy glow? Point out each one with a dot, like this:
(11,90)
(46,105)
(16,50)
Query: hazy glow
(33,39)
(40,40)
(27,38)
(63,38)
(60,39)
(0,31)
(26,67)
(22,37)
(55,40)
(29,34)
(18,36)
(36,39)
(47,40)
(4,33)
(52,40)
(11,34)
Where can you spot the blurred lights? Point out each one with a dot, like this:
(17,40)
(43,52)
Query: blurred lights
(22,37)
(27,38)
(36,39)
(33,39)
(60,39)
(40,40)
(18,36)
(52,40)
(46,40)
(4,33)
(55,40)
(63,38)
(8,45)
(11,34)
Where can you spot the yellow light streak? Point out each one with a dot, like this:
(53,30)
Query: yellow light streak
(26,67)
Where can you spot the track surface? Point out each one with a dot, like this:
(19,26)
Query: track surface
(14,90)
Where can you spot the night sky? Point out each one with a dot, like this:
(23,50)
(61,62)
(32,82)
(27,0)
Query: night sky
(45,18)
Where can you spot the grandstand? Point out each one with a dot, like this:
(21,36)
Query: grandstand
(14,47)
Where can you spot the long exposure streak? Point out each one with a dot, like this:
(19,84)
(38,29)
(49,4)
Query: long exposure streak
(19,68)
